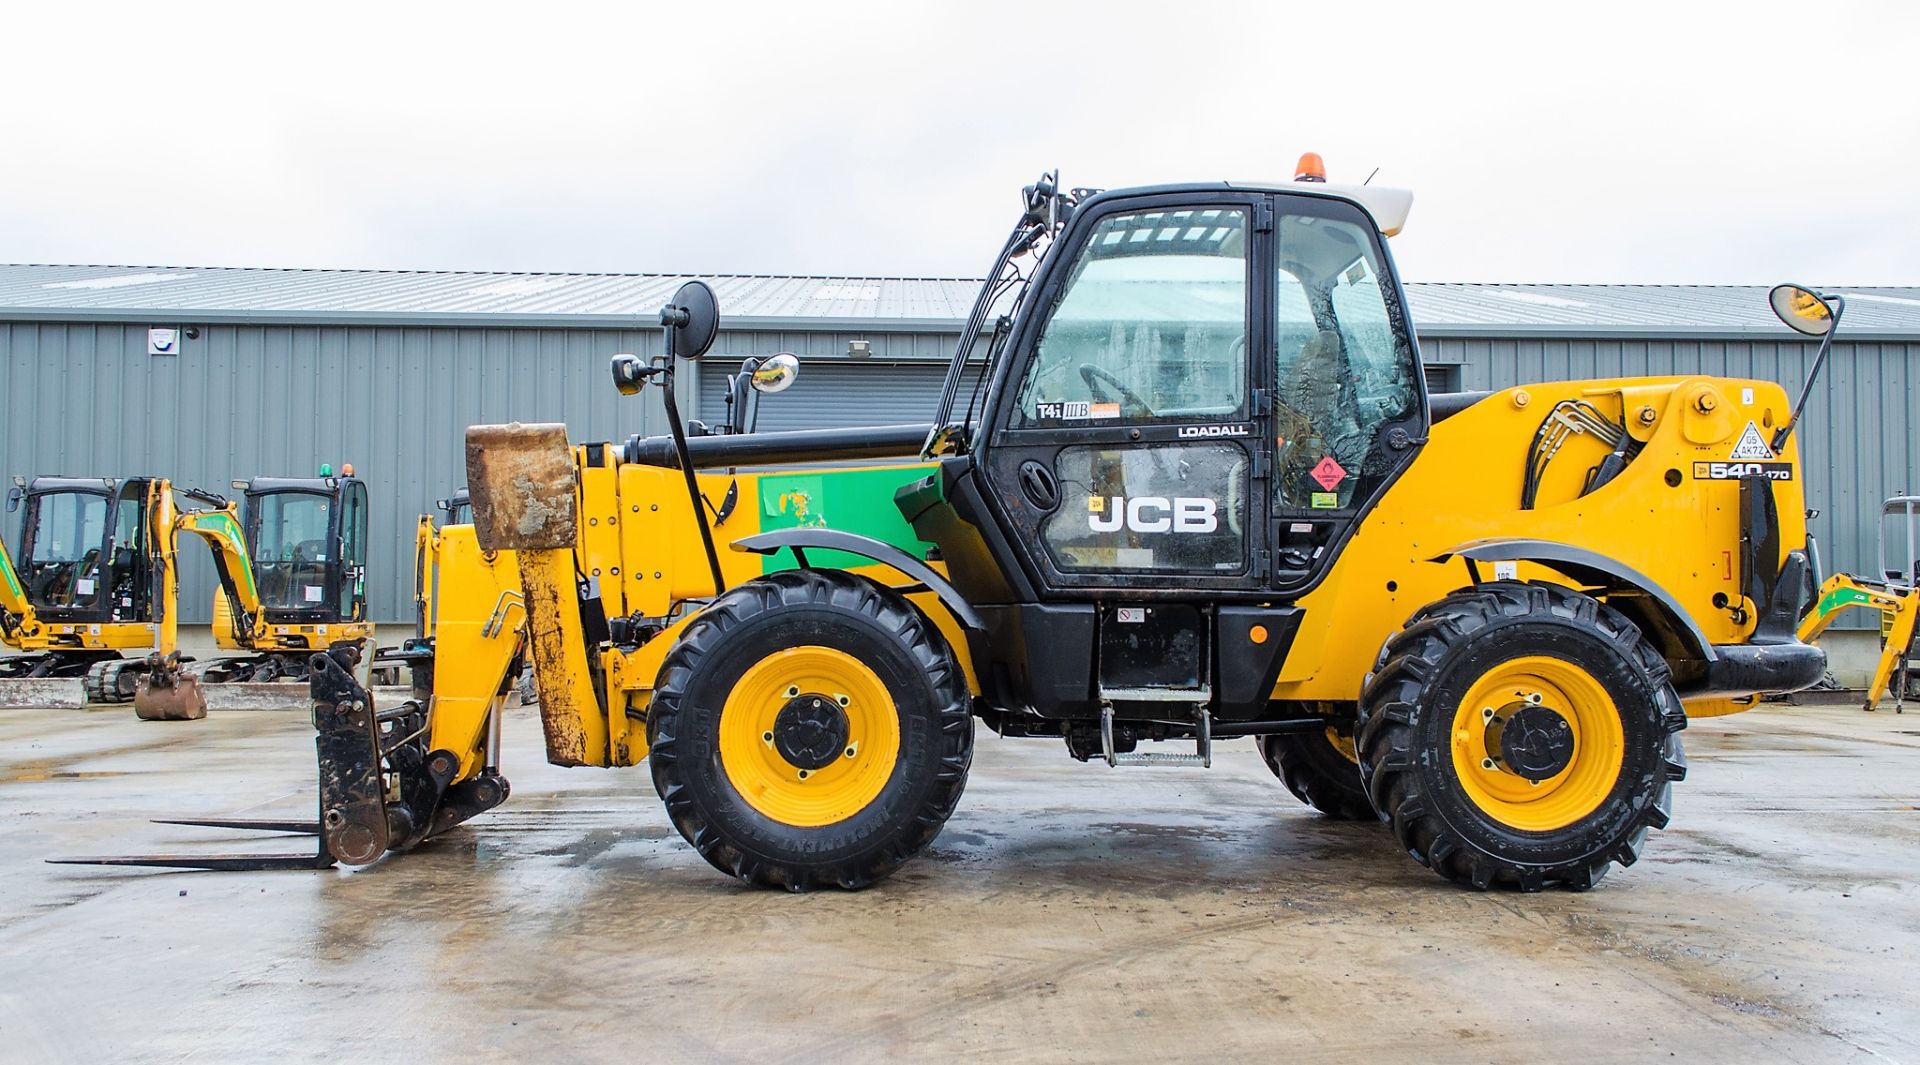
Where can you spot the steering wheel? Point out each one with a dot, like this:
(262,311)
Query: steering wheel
(1097,379)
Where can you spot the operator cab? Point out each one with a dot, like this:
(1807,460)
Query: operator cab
(458,507)
(83,552)
(308,537)
(1200,396)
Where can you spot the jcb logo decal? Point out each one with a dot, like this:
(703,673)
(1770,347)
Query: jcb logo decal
(1151,514)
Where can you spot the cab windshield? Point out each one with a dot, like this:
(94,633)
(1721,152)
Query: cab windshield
(63,557)
(291,549)
(1150,324)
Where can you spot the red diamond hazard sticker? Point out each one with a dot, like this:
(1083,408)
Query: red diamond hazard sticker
(1328,473)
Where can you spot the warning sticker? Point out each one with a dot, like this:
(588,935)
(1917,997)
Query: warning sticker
(1328,473)
(1751,446)
(1325,500)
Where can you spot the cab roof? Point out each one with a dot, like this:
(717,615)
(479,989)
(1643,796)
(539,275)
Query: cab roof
(1388,207)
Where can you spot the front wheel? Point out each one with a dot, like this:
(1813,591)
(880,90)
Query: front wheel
(810,728)
(1521,735)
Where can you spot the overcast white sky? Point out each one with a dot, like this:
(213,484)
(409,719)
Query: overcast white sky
(1661,142)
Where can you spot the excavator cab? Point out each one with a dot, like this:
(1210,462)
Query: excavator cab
(292,557)
(458,507)
(83,555)
(309,544)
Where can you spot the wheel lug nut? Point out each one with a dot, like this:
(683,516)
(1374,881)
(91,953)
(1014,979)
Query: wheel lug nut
(849,752)
(843,700)
(1486,763)
(766,737)
(792,691)
(1486,714)
(803,774)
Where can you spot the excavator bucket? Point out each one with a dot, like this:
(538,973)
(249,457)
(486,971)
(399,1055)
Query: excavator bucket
(166,692)
(379,788)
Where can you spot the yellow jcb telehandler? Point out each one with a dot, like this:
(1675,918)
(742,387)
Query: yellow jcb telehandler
(1201,492)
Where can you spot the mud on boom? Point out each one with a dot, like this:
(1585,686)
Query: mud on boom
(1201,493)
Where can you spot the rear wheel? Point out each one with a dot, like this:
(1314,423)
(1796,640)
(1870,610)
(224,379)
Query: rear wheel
(809,729)
(1521,735)
(1321,769)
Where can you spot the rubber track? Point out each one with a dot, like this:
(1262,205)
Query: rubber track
(798,588)
(1390,703)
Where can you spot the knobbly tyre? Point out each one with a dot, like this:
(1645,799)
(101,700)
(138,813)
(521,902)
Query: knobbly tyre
(1198,492)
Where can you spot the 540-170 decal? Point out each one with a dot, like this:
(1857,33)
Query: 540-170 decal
(1740,471)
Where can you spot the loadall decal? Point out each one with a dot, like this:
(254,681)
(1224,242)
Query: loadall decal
(1206,432)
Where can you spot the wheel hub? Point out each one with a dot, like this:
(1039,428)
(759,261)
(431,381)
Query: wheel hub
(810,731)
(1533,741)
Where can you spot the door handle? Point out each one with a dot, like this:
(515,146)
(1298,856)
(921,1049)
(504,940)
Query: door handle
(1038,485)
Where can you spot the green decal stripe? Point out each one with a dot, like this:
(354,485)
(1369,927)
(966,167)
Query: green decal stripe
(856,500)
(223,525)
(13,580)
(1841,598)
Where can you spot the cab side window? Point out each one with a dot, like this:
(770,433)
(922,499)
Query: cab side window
(1341,372)
(1150,325)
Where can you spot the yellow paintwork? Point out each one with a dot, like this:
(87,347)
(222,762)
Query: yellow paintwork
(1466,484)
(1599,744)
(478,631)
(426,549)
(1898,611)
(788,793)
(1719,705)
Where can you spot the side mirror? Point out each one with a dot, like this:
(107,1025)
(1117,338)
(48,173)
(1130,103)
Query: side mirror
(14,495)
(1809,312)
(1802,309)
(692,320)
(776,373)
(440,504)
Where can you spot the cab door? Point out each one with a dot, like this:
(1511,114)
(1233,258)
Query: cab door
(353,551)
(1127,437)
(1348,407)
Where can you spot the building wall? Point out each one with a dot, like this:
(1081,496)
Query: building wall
(85,399)
(242,401)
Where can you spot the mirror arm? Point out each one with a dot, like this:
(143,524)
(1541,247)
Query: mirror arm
(1819,363)
(738,386)
(685,457)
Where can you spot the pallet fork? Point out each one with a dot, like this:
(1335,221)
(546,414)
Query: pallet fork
(379,788)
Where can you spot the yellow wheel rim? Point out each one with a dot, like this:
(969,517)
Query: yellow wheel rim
(808,683)
(1343,743)
(1578,789)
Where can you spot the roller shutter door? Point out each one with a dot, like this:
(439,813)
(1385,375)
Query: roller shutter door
(838,394)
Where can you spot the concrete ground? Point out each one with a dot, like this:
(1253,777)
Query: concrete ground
(1068,913)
